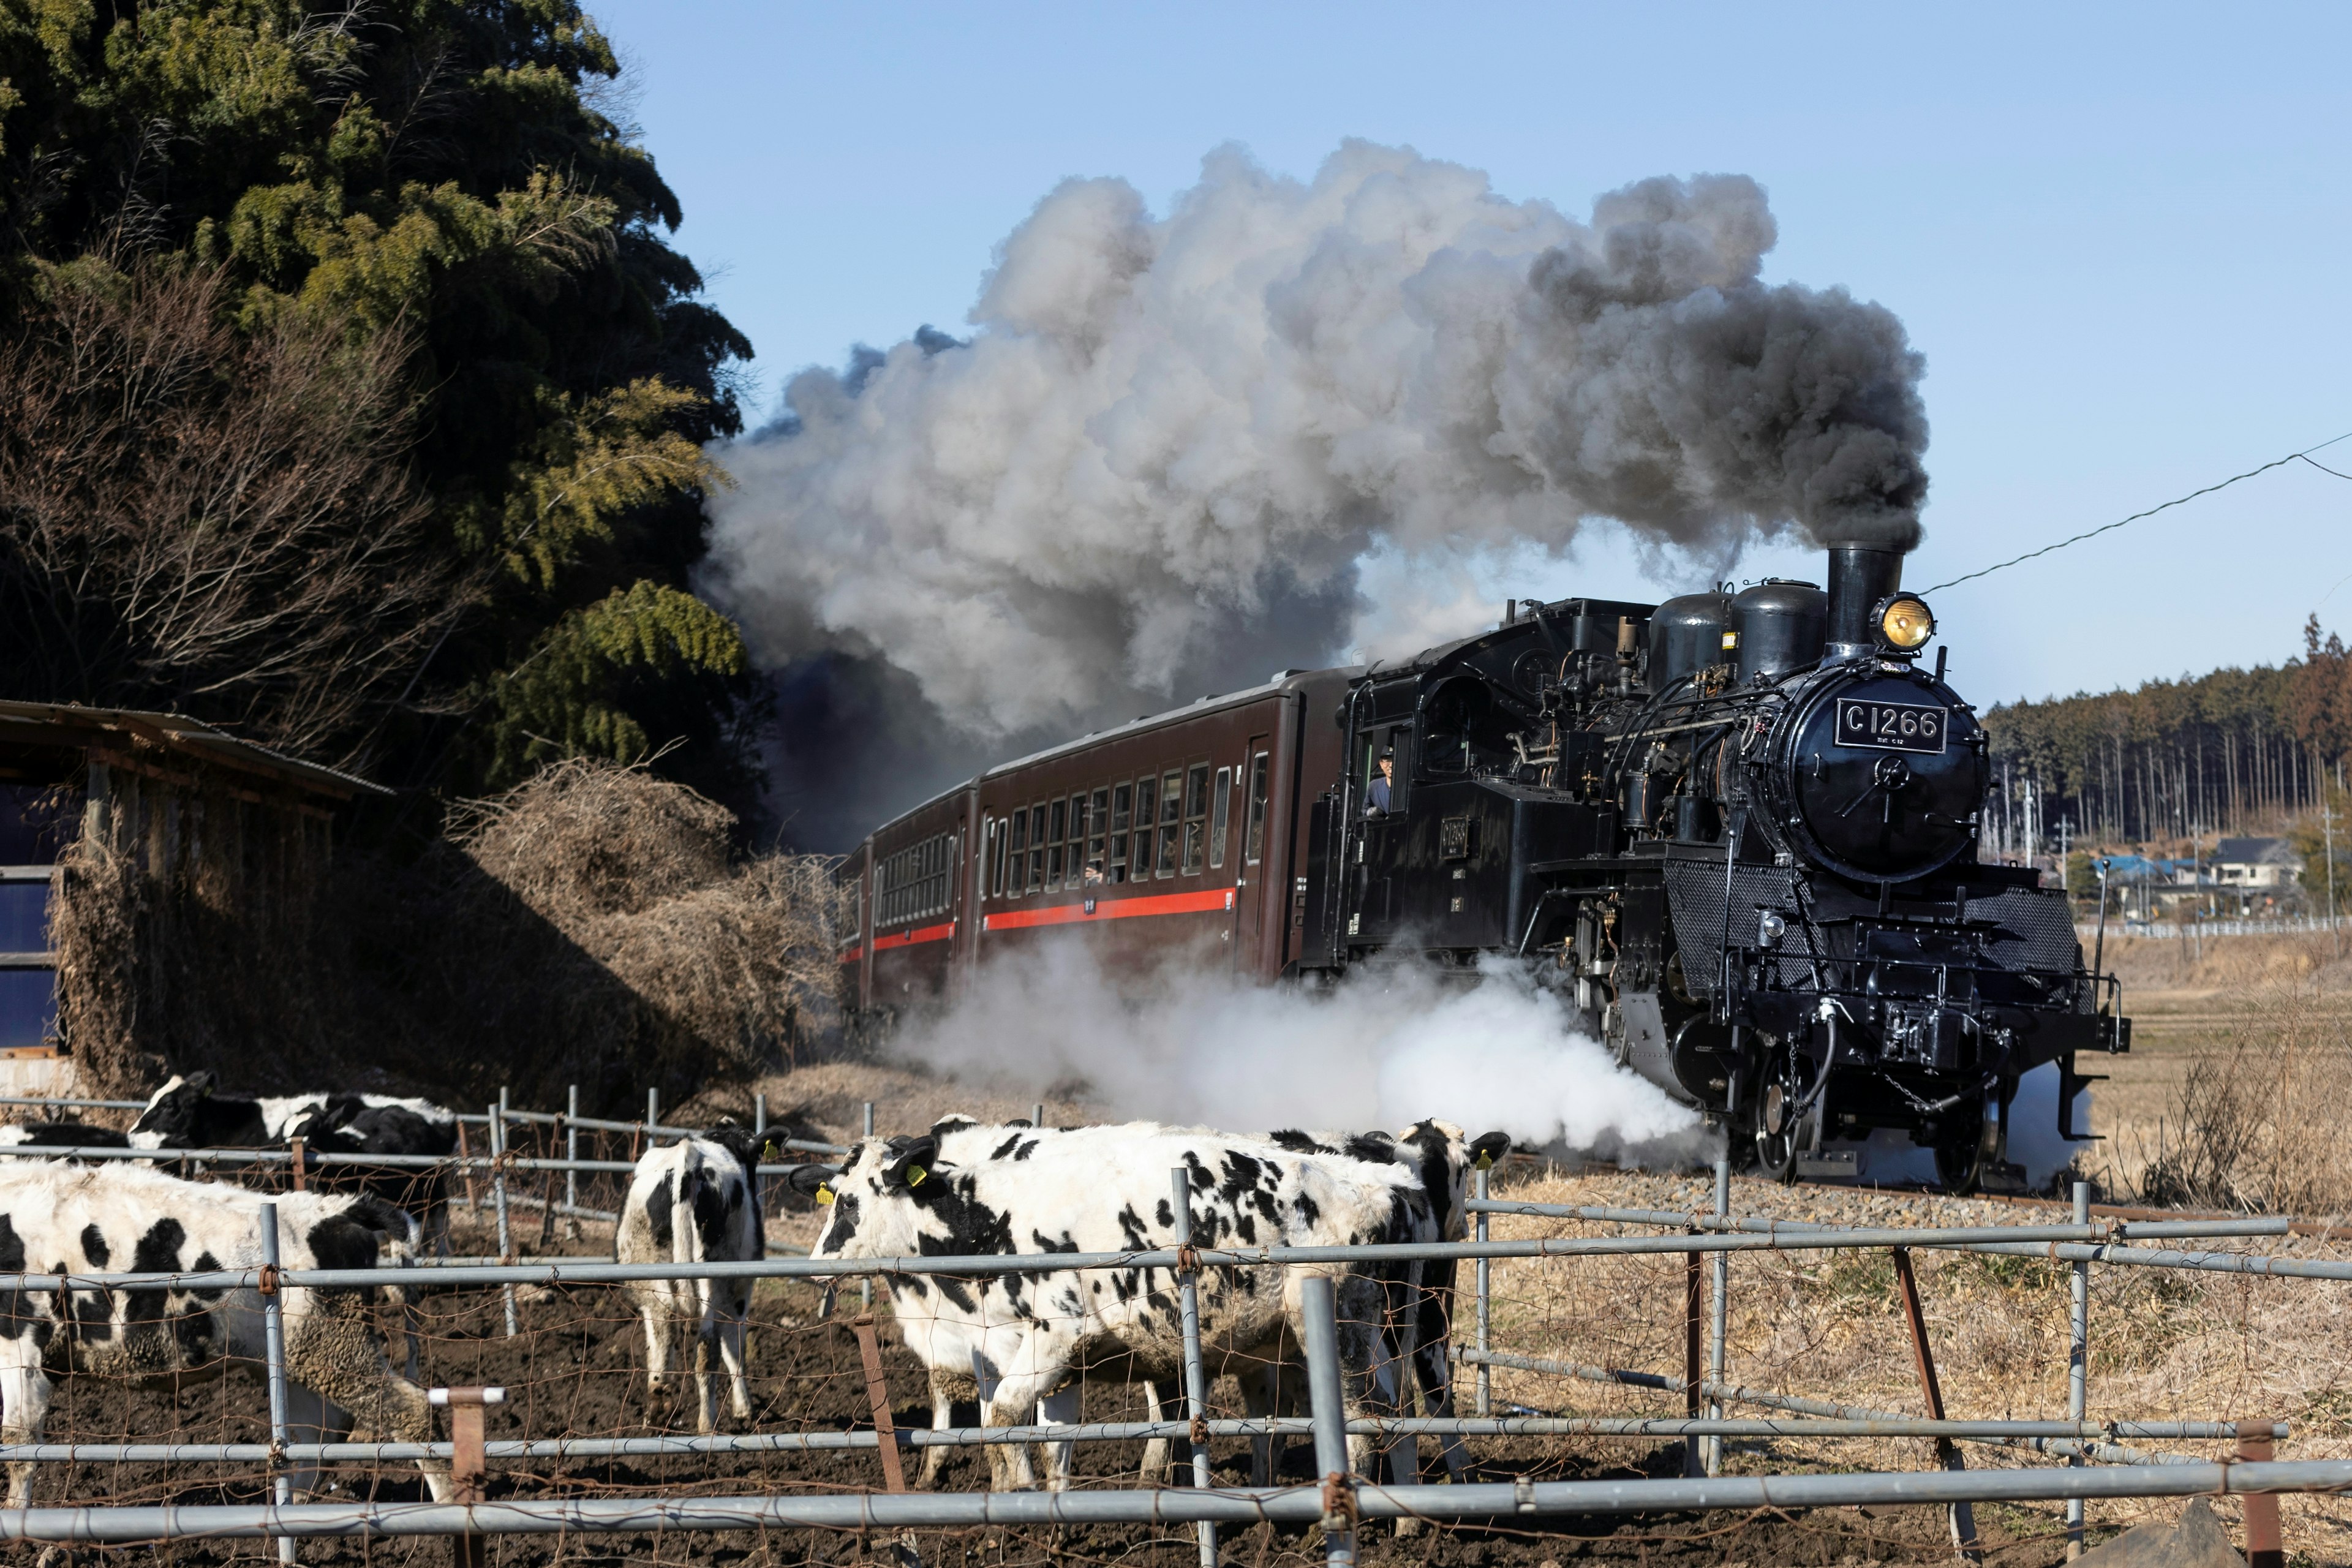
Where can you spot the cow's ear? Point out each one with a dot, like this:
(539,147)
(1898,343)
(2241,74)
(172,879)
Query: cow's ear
(910,1169)
(1488,1148)
(204,1082)
(813,1182)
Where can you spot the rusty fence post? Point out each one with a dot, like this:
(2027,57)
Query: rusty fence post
(465,1166)
(299,1174)
(2265,1548)
(878,1395)
(468,1469)
(1948,1453)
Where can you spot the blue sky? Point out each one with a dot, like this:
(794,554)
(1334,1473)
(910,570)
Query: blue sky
(2118,234)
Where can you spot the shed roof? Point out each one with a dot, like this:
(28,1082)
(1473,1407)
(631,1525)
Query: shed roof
(54,725)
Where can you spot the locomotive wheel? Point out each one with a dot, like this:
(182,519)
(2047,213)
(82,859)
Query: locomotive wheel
(1963,1153)
(1778,1130)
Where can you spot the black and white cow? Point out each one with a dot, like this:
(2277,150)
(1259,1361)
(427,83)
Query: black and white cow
(1027,1338)
(965,1140)
(58,1218)
(1443,1157)
(61,1135)
(345,1125)
(696,1201)
(190,1113)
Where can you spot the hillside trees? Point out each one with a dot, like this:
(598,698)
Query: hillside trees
(414,210)
(2216,753)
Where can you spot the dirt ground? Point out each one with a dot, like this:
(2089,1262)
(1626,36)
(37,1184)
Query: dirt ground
(576,1369)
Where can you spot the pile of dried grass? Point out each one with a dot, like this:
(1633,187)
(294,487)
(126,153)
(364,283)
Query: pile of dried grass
(2258,1124)
(735,962)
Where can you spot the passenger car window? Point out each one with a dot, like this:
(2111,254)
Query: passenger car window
(1018,837)
(1054,830)
(1096,815)
(1196,817)
(1122,801)
(1253,838)
(1171,817)
(1076,864)
(1036,847)
(1220,812)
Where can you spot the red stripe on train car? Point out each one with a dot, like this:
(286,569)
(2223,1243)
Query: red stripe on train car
(909,938)
(1112,910)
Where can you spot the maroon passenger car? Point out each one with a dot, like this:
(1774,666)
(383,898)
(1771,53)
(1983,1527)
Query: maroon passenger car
(1181,834)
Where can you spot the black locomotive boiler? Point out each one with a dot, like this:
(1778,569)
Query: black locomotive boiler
(1737,831)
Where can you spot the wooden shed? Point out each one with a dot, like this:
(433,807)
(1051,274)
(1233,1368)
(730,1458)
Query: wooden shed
(118,830)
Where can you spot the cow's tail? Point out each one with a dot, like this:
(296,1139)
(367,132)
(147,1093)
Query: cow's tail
(685,1231)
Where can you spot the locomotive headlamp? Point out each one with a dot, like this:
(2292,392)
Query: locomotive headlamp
(1904,623)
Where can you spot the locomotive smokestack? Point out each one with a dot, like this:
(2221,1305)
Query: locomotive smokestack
(1861,577)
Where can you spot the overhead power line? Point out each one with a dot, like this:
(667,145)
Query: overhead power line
(2304,456)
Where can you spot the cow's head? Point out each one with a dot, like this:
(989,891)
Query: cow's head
(1447,1156)
(875,1200)
(749,1148)
(170,1118)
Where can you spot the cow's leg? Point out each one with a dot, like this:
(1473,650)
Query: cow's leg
(1008,1463)
(310,1419)
(943,1417)
(733,1325)
(656,1312)
(1158,1453)
(1405,1451)
(1432,1365)
(706,1402)
(332,1350)
(1060,1408)
(1258,1394)
(1013,1404)
(1360,1302)
(24,1403)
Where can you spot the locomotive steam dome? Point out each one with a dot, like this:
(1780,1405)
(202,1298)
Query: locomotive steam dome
(1878,771)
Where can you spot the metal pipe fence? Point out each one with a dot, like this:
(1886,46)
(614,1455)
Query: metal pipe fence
(1339,1500)
(1239,1506)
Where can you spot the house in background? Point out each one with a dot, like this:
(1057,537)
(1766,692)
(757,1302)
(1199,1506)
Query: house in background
(174,800)
(2260,871)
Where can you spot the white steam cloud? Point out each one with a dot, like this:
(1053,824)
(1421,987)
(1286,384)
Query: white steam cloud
(1155,464)
(1383,1049)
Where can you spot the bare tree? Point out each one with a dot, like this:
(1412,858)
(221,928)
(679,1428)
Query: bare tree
(210,519)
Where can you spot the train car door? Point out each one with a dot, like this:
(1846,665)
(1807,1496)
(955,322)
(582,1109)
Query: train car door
(1248,801)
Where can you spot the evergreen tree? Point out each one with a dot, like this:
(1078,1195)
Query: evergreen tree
(437,175)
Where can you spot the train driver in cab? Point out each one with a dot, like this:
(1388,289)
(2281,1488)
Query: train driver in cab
(1376,797)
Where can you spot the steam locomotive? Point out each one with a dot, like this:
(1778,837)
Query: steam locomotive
(1737,833)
